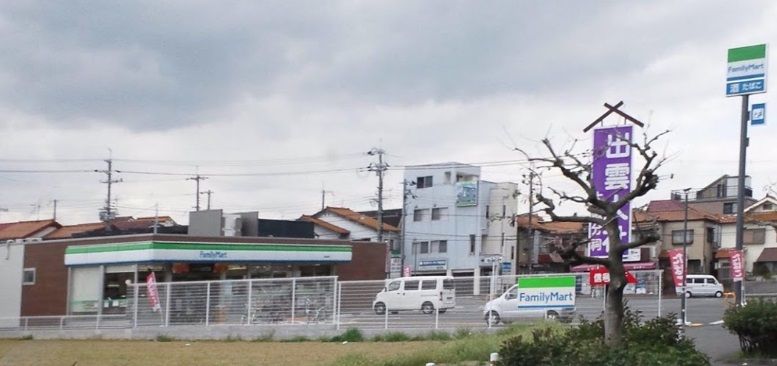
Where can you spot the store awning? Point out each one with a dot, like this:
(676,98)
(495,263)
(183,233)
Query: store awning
(633,266)
(156,251)
(768,255)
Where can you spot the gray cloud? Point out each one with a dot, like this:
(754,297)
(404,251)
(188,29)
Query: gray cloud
(160,65)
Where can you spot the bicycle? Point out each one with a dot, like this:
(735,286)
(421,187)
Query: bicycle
(314,312)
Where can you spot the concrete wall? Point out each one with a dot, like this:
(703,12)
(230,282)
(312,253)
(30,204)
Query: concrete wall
(502,209)
(11,267)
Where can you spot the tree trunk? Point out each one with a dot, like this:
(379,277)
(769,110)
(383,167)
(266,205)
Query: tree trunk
(613,314)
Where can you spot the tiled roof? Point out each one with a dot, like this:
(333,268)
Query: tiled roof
(360,218)
(324,224)
(153,218)
(762,216)
(69,230)
(538,223)
(24,229)
(672,210)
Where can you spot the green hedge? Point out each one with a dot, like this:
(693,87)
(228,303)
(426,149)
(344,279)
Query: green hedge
(654,342)
(756,326)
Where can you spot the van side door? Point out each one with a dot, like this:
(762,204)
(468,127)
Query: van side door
(410,299)
(430,291)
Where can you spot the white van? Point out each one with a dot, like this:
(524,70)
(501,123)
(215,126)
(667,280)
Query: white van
(425,293)
(505,309)
(701,285)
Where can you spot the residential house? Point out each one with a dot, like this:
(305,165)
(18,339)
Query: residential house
(759,240)
(344,223)
(667,219)
(718,197)
(538,252)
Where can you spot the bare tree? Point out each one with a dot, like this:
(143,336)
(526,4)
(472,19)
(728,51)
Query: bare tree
(603,212)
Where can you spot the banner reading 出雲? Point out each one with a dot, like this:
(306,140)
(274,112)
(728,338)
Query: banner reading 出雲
(612,181)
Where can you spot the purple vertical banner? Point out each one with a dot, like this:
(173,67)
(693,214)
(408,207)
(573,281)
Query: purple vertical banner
(612,181)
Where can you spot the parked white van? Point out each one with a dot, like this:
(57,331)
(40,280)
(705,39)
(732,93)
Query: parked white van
(701,285)
(425,293)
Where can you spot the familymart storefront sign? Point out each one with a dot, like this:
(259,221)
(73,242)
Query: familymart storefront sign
(156,251)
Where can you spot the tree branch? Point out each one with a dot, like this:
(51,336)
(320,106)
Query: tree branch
(642,241)
(571,255)
(550,210)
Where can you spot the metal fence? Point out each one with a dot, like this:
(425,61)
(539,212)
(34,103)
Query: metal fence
(324,302)
(290,301)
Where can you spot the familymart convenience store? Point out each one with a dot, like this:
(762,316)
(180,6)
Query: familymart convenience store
(96,275)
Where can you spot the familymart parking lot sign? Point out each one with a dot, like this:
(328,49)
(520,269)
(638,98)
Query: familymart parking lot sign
(746,70)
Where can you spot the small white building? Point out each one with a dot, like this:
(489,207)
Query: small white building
(456,223)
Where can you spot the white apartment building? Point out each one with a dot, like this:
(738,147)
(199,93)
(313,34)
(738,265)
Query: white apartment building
(456,223)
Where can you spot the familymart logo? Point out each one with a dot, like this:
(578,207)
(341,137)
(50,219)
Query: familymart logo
(213,254)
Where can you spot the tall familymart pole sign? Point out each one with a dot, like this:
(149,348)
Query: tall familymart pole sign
(746,73)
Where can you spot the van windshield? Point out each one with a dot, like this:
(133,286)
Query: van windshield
(447,284)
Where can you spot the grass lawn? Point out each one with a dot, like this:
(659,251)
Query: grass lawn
(108,353)
(394,350)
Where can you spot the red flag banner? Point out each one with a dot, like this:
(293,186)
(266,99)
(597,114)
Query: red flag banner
(677,261)
(737,265)
(153,294)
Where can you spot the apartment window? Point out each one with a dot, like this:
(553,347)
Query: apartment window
(28,276)
(768,206)
(447,177)
(423,182)
(711,235)
(423,247)
(677,236)
(472,244)
(438,213)
(729,208)
(418,215)
(439,246)
(754,236)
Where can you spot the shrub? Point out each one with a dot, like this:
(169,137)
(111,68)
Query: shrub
(392,337)
(653,342)
(350,335)
(756,326)
(438,336)
(164,338)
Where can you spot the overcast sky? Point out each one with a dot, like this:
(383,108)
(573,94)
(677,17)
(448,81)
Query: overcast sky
(290,95)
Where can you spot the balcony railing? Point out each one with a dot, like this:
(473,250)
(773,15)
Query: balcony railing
(711,193)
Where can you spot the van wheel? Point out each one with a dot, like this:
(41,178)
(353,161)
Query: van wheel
(492,318)
(427,308)
(688,294)
(552,315)
(718,294)
(380,308)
